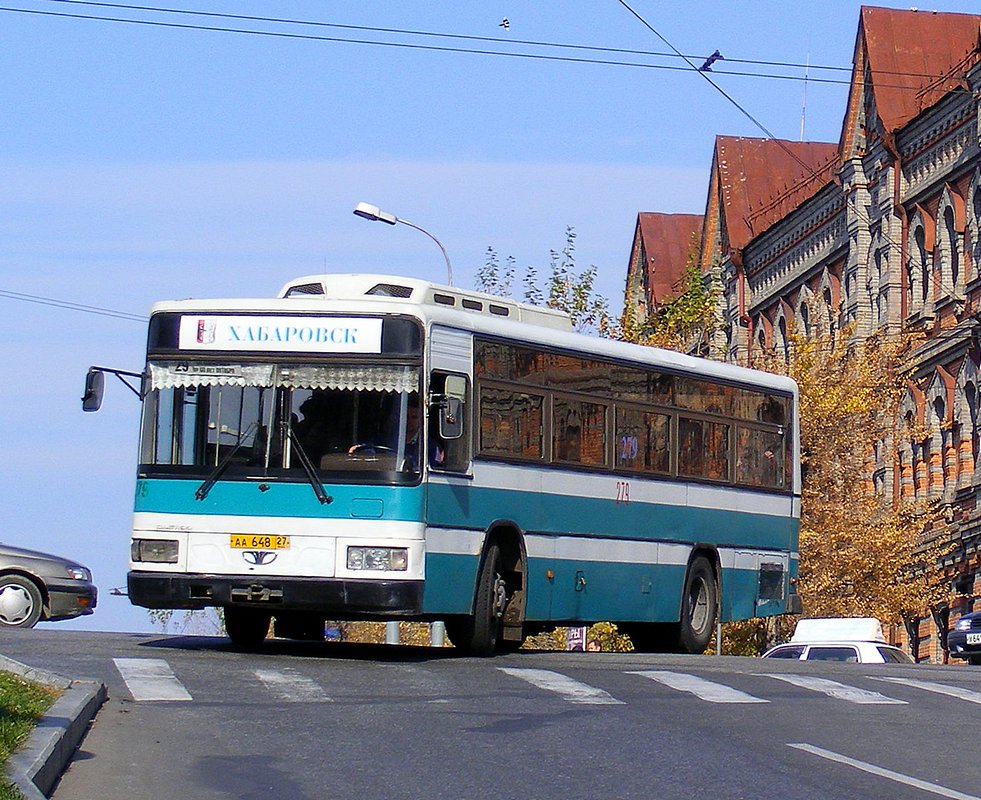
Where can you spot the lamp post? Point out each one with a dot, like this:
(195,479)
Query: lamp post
(374,213)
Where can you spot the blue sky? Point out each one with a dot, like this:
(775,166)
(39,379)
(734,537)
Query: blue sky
(140,163)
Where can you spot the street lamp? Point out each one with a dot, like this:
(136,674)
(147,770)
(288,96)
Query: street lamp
(374,213)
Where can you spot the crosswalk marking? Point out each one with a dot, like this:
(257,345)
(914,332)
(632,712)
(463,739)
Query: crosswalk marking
(701,688)
(939,688)
(572,690)
(839,690)
(150,679)
(291,687)
(872,769)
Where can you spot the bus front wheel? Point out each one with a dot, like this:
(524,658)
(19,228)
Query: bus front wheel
(246,627)
(479,634)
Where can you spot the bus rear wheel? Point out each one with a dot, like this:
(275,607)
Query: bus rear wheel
(246,627)
(699,607)
(692,633)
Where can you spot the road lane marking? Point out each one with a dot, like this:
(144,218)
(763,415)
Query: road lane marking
(872,769)
(291,687)
(701,688)
(930,686)
(150,679)
(839,691)
(572,690)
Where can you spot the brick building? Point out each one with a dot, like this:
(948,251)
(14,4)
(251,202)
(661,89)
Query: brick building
(882,231)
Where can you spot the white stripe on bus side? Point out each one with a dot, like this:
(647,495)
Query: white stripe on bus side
(446,541)
(603,487)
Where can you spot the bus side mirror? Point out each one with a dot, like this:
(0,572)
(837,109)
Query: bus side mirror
(452,407)
(451,418)
(95,385)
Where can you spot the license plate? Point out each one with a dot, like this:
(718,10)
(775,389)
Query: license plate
(256,541)
(974,638)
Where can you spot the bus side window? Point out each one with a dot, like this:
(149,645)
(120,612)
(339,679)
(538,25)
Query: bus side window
(452,454)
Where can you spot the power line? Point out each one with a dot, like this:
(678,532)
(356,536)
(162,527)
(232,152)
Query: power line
(71,306)
(465,37)
(434,48)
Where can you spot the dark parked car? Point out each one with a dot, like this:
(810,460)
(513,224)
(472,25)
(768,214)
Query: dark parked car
(37,586)
(964,639)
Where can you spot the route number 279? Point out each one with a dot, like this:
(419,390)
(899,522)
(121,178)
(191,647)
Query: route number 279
(623,492)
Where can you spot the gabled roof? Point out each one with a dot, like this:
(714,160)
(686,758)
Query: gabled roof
(666,240)
(760,181)
(913,59)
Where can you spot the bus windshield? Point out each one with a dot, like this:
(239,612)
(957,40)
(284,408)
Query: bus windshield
(352,422)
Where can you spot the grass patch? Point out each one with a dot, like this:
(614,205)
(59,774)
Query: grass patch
(22,704)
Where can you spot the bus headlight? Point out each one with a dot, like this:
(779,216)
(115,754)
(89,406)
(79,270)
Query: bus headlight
(158,551)
(389,559)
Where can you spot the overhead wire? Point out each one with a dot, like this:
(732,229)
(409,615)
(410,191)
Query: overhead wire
(429,34)
(72,306)
(464,37)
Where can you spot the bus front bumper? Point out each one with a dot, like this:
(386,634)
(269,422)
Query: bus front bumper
(333,596)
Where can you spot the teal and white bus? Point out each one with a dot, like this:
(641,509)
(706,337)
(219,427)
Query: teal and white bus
(368,447)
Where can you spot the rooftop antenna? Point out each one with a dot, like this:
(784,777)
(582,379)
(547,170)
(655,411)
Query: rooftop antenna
(803,105)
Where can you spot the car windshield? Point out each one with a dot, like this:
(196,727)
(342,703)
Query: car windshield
(354,422)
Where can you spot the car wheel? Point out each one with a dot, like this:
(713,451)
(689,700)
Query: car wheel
(21,603)
(974,660)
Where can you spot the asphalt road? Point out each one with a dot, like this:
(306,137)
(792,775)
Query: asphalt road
(190,717)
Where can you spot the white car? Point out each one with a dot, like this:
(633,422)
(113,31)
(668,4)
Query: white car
(856,640)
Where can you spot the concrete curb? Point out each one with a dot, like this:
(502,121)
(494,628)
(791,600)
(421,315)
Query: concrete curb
(37,764)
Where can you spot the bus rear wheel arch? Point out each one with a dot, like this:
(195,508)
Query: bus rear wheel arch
(697,616)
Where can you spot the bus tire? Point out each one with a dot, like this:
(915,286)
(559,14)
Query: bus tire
(21,604)
(478,635)
(246,627)
(699,606)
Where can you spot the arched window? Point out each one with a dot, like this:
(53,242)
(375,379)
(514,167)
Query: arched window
(829,310)
(951,251)
(921,267)
(783,341)
(976,227)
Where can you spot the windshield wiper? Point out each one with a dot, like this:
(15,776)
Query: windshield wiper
(308,468)
(212,479)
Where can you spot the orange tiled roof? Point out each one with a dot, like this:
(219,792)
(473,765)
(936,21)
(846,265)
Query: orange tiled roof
(915,58)
(762,180)
(667,240)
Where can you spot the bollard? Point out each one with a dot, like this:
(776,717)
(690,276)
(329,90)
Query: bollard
(437,634)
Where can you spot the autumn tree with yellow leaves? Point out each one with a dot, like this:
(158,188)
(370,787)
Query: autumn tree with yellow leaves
(861,553)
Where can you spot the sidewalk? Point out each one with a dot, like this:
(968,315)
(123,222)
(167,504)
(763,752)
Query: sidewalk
(36,766)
